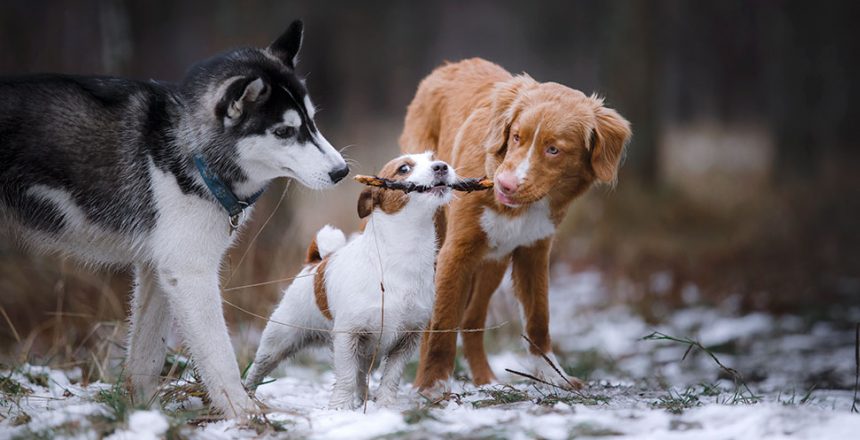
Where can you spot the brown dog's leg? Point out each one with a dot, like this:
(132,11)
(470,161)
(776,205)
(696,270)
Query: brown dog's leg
(530,273)
(487,280)
(453,276)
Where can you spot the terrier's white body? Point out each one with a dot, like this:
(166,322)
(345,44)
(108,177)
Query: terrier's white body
(397,250)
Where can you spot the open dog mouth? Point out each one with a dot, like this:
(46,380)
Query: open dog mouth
(437,189)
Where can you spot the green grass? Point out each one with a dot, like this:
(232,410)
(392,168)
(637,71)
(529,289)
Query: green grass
(677,403)
(501,396)
(11,389)
(742,393)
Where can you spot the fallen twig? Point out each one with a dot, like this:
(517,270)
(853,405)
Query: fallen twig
(465,185)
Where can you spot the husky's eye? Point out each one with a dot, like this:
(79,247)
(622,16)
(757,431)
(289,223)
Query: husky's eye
(552,150)
(285,132)
(403,169)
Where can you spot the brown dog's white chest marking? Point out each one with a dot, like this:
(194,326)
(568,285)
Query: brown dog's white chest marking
(506,233)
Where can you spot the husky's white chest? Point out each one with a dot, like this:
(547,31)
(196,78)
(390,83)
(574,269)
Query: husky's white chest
(504,233)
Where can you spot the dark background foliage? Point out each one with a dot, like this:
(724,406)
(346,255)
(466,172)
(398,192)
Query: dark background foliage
(740,179)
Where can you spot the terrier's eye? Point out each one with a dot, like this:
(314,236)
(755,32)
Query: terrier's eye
(403,169)
(551,150)
(285,132)
(516,138)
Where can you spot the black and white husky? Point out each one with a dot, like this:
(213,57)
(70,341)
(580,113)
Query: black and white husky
(158,176)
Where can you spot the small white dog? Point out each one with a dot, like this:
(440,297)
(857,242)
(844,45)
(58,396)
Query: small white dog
(338,295)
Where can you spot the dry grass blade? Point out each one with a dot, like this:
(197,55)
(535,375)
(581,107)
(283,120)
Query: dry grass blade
(856,367)
(552,364)
(11,326)
(536,379)
(692,343)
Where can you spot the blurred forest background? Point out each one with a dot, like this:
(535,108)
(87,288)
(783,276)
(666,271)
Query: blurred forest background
(741,178)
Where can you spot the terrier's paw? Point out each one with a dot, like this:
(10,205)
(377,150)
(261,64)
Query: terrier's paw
(386,398)
(342,403)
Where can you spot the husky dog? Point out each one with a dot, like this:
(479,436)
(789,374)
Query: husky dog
(158,176)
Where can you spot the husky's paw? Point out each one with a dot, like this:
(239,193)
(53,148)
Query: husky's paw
(241,408)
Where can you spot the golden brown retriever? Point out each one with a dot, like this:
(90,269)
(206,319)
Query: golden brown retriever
(544,144)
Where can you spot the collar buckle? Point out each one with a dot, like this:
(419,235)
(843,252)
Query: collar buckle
(225,196)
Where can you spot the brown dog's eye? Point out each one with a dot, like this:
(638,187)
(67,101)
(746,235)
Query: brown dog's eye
(516,138)
(551,150)
(403,169)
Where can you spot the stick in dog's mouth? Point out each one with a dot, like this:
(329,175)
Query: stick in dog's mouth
(465,185)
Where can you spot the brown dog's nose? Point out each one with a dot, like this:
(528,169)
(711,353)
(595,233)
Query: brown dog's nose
(440,168)
(508,182)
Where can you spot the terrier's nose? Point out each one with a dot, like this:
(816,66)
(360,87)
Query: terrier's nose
(338,174)
(440,168)
(508,182)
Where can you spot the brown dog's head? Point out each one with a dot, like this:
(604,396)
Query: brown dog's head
(545,137)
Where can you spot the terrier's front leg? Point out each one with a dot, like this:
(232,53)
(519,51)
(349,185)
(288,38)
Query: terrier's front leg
(395,362)
(346,362)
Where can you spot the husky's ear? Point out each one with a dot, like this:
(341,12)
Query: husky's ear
(254,91)
(286,47)
(366,201)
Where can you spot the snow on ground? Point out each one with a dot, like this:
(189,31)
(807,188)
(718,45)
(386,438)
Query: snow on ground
(799,375)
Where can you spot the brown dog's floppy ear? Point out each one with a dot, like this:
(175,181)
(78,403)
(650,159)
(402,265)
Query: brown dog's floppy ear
(505,107)
(365,203)
(608,141)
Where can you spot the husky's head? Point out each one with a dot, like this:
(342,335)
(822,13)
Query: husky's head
(256,118)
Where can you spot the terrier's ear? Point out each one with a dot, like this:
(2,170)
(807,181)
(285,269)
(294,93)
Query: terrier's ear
(254,91)
(366,202)
(286,47)
(608,141)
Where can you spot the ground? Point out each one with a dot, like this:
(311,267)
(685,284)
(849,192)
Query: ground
(703,371)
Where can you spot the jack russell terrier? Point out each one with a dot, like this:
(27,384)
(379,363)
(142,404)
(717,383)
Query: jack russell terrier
(374,292)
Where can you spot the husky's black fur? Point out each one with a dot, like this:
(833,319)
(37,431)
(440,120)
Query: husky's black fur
(93,136)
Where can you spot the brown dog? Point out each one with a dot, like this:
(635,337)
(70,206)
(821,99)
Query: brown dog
(544,144)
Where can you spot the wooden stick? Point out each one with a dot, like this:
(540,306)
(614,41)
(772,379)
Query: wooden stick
(465,185)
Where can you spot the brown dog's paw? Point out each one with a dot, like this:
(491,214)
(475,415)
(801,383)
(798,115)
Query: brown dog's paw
(547,369)
(437,391)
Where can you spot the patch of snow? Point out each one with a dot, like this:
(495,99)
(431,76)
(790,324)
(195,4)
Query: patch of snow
(143,425)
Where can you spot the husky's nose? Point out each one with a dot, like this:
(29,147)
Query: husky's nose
(440,169)
(338,174)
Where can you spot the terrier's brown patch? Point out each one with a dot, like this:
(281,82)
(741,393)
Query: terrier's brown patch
(389,201)
(313,255)
(319,290)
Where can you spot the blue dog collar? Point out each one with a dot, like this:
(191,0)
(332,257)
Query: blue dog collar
(222,192)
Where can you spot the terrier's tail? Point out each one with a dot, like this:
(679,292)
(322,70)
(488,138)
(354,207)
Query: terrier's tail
(328,240)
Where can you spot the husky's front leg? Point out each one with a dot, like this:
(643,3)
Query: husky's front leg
(149,324)
(196,303)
